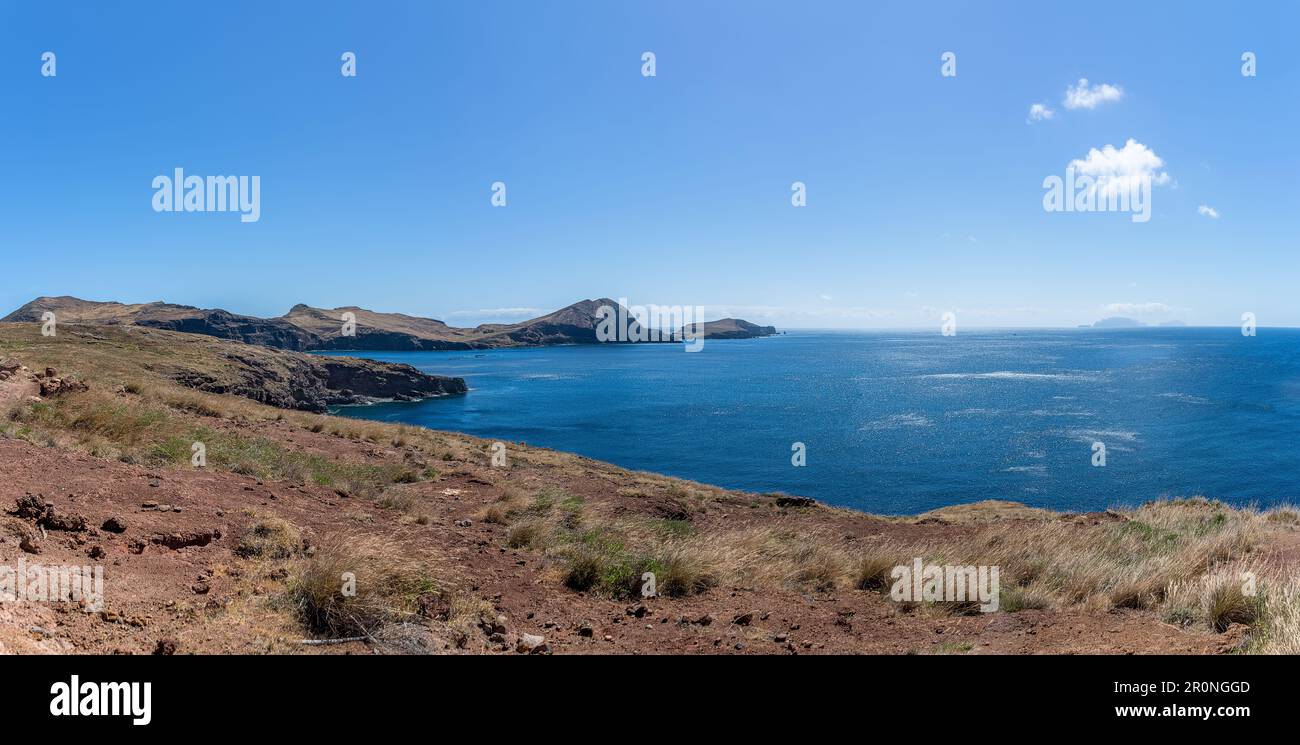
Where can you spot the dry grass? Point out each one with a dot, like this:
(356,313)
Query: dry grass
(530,534)
(1277,630)
(1046,561)
(356,585)
(158,429)
(504,510)
(874,566)
(269,538)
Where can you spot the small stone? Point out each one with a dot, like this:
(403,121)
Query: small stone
(744,619)
(115,525)
(531,644)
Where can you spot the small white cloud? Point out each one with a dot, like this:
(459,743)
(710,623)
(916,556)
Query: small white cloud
(1123,169)
(1208,211)
(827,298)
(1085,96)
(1040,113)
(498,314)
(1142,310)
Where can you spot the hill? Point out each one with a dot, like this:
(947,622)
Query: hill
(305,328)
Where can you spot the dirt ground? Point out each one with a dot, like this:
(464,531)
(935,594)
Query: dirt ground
(205,599)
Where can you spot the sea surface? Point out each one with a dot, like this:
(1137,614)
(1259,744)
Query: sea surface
(903,422)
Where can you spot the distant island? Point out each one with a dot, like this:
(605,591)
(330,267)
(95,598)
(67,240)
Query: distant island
(1120,322)
(729,328)
(305,328)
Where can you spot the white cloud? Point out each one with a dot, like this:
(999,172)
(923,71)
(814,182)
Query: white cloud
(1040,113)
(1084,96)
(498,314)
(1124,169)
(1208,211)
(827,298)
(1147,310)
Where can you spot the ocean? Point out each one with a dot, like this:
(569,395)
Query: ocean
(903,422)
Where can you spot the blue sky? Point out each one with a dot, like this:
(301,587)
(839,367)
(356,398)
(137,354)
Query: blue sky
(924,191)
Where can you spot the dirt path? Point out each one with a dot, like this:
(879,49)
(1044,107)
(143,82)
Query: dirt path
(18,384)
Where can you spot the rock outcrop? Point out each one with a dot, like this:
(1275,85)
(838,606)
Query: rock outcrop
(290,380)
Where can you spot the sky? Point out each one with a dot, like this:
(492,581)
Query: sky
(924,191)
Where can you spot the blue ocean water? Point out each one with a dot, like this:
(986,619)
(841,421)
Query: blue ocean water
(902,422)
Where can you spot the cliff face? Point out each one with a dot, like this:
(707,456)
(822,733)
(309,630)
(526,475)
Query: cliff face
(357,380)
(291,380)
(308,383)
(266,332)
(305,328)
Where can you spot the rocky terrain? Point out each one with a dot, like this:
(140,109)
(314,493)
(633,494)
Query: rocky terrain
(309,534)
(305,328)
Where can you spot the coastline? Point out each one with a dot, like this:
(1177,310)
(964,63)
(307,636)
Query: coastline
(543,551)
